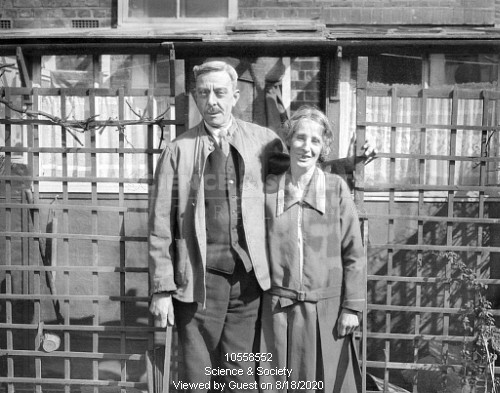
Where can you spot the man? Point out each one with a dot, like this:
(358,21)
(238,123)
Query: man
(207,250)
(207,233)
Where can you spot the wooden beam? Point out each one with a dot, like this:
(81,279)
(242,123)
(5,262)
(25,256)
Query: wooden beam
(23,69)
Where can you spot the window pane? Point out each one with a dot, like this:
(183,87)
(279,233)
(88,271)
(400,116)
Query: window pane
(168,8)
(67,71)
(204,8)
(152,8)
(9,77)
(127,71)
(395,69)
(469,70)
(9,74)
(163,71)
(161,8)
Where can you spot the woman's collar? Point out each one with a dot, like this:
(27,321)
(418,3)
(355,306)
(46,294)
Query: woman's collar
(314,193)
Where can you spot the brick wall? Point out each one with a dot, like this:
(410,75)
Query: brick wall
(60,13)
(305,82)
(33,14)
(374,12)
(497,13)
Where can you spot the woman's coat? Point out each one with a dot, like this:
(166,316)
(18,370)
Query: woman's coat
(317,267)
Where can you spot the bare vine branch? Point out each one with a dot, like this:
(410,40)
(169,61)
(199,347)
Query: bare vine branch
(90,124)
(7,65)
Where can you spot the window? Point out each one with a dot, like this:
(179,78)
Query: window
(467,71)
(131,73)
(425,109)
(107,88)
(179,14)
(395,69)
(113,71)
(178,8)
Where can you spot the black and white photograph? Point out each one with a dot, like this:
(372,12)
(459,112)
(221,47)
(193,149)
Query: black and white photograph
(249,196)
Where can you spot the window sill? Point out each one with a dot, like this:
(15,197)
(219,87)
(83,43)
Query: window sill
(184,25)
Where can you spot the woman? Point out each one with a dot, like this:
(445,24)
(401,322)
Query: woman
(317,269)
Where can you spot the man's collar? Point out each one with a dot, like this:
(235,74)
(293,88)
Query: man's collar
(314,193)
(215,131)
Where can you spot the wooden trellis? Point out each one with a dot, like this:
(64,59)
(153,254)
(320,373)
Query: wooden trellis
(413,307)
(76,257)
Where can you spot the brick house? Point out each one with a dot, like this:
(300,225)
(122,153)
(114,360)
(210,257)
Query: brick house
(109,81)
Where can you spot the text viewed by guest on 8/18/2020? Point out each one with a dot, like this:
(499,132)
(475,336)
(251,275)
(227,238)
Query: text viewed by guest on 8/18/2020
(279,384)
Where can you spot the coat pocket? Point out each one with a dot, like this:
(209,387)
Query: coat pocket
(180,262)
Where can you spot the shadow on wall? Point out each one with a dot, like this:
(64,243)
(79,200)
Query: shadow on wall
(112,313)
(432,294)
(107,342)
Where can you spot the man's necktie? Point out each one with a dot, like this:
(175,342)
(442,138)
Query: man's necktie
(224,145)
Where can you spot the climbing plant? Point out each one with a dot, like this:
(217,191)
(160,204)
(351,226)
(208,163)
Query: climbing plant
(481,344)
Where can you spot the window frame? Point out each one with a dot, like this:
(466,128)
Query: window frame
(176,23)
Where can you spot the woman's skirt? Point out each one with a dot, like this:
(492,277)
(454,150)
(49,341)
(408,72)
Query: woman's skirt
(307,353)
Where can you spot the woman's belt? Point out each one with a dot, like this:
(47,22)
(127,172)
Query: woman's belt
(307,296)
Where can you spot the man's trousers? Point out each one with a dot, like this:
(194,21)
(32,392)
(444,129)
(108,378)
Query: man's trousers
(212,338)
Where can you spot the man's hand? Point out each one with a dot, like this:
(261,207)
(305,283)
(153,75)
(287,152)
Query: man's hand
(162,308)
(348,322)
(369,151)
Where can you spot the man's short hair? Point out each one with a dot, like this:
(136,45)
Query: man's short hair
(216,66)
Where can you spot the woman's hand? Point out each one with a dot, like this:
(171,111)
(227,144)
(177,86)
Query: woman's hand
(348,322)
(368,152)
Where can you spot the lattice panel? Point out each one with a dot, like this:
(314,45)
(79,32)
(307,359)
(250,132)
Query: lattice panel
(434,190)
(73,229)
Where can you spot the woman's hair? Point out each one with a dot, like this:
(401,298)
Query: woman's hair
(314,114)
(216,66)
